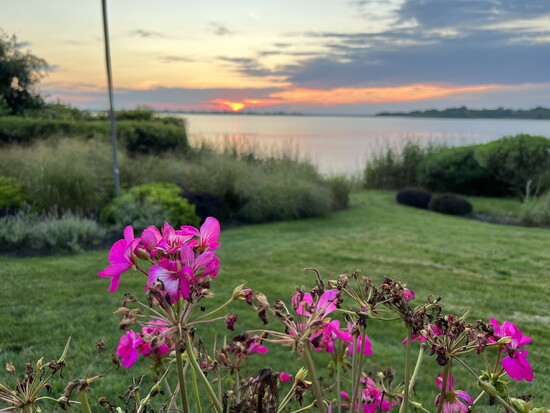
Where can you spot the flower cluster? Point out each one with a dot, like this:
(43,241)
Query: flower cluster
(183,260)
(154,341)
(372,397)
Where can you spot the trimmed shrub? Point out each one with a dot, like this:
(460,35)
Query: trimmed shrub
(536,211)
(12,195)
(136,136)
(150,204)
(28,233)
(414,197)
(207,205)
(457,170)
(397,168)
(520,162)
(450,204)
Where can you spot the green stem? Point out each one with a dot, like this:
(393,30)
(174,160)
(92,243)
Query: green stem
(154,389)
(237,386)
(303,409)
(196,391)
(83,402)
(359,370)
(287,398)
(353,372)
(417,367)
(405,403)
(181,376)
(443,387)
(217,405)
(338,385)
(217,310)
(478,398)
(314,381)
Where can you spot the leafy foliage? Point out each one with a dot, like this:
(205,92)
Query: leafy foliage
(12,194)
(414,197)
(159,202)
(19,73)
(450,204)
(457,170)
(520,162)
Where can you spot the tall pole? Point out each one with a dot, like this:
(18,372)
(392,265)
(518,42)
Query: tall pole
(111,106)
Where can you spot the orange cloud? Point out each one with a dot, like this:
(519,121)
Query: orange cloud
(405,93)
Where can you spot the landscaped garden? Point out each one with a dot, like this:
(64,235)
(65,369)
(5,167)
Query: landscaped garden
(494,271)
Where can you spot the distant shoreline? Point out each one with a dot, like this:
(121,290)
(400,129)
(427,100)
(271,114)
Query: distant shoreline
(538,113)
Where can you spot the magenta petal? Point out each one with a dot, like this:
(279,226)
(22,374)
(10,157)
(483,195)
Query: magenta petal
(115,281)
(300,304)
(210,231)
(327,301)
(116,254)
(151,237)
(169,278)
(187,255)
(128,233)
(189,230)
(203,260)
(114,270)
(465,396)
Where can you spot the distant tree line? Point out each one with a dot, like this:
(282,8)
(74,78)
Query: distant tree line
(464,112)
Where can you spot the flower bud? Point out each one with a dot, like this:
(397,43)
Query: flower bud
(239,292)
(504,340)
(141,253)
(40,363)
(488,388)
(10,368)
(300,375)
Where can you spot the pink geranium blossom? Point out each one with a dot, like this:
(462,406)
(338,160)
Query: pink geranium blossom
(408,295)
(452,402)
(516,364)
(285,377)
(121,258)
(207,235)
(127,348)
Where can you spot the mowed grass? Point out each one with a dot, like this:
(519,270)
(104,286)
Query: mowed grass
(492,270)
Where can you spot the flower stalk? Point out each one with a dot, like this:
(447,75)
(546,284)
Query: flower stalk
(314,380)
(405,403)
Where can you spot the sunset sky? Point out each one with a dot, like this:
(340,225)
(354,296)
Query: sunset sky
(309,56)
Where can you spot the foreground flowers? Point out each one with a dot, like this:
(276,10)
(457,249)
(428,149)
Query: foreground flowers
(179,267)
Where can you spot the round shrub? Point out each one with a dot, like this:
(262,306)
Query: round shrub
(457,170)
(150,204)
(520,162)
(207,205)
(450,204)
(414,197)
(12,195)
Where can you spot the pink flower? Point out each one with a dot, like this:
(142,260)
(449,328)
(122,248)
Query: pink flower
(284,377)
(256,346)
(325,305)
(366,350)
(207,236)
(451,402)
(329,334)
(408,295)
(121,258)
(516,364)
(127,348)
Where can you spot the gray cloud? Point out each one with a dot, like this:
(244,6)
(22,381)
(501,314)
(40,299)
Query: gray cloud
(248,66)
(176,59)
(146,33)
(220,30)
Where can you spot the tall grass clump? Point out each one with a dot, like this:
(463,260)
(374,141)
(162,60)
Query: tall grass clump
(65,174)
(397,167)
(536,210)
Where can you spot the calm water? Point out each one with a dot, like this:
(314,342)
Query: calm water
(343,144)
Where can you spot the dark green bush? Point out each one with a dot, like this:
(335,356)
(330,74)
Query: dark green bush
(397,168)
(12,195)
(457,170)
(150,204)
(520,162)
(156,136)
(28,233)
(414,197)
(207,205)
(450,204)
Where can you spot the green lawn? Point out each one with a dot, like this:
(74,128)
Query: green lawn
(496,271)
